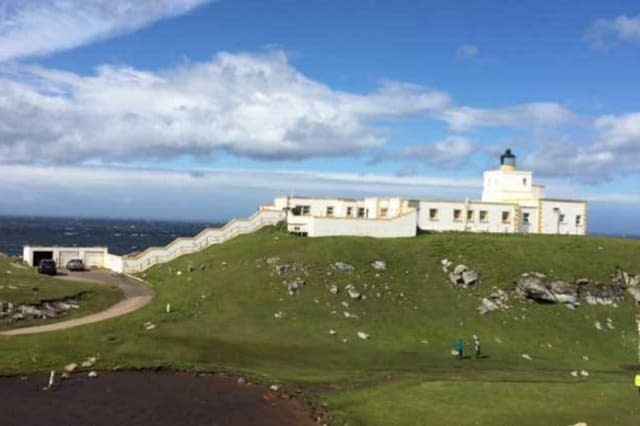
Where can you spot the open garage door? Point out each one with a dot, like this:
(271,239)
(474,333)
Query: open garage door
(65,256)
(93,259)
(41,255)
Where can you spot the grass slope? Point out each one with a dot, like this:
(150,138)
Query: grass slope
(20,285)
(222,317)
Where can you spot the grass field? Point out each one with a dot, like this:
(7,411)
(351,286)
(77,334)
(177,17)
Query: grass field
(21,285)
(224,302)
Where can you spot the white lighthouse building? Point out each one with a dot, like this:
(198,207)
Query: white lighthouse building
(510,203)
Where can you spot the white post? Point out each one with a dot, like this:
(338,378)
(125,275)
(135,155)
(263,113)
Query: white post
(638,322)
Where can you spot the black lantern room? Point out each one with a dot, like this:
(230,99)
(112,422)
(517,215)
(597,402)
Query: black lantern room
(508,159)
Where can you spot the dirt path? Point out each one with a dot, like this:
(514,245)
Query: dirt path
(136,295)
(145,398)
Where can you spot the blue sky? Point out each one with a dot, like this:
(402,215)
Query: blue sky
(199,109)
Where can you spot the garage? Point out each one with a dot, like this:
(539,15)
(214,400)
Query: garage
(39,255)
(94,259)
(64,256)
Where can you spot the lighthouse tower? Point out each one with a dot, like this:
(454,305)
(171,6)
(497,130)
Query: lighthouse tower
(508,184)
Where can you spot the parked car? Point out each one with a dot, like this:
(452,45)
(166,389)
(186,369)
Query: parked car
(75,265)
(47,266)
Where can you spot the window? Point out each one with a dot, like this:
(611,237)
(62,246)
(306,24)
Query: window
(349,211)
(433,214)
(384,212)
(525,218)
(470,215)
(329,210)
(306,210)
(361,212)
(524,181)
(506,216)
(579,220)
(457,215)
(483,216)
(562,218)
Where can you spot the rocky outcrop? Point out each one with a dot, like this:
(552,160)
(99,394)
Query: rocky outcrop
(44,310)
(538,287)
(496,301)
(343,267)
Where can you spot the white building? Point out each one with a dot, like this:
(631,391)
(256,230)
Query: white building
(92,257)
(511,203)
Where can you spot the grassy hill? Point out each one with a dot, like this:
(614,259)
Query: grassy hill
(21,285)
(231,311)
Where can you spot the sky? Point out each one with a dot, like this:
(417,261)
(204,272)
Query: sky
(203,110)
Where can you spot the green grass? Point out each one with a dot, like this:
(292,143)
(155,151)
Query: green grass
(223,319)
(20,285)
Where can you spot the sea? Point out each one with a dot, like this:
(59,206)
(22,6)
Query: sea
(121,236)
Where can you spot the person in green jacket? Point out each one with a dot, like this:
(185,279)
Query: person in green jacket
(460,348)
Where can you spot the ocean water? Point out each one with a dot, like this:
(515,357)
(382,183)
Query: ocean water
(122,236)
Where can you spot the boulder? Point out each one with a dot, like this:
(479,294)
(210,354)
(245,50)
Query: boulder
(334,289)
(343,267)
(379,265)
(564,292)
(295,285)
(456,279)
(353,293)
(458,270)
(487,305)
(535,287)
(470,277)
(362,335)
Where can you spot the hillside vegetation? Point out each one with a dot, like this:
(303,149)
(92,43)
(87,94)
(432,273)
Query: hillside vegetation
(230,310)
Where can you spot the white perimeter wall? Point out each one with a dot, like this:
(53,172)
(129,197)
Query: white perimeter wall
(399,227)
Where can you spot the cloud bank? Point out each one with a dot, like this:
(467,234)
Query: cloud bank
(604,32)
(38,27)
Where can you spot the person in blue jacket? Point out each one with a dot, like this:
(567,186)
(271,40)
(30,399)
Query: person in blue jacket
(459,348)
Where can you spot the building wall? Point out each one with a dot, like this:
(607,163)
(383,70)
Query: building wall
(93,257)
(398,227)
(553,223)
(446,220)
(374,207)
(509,186)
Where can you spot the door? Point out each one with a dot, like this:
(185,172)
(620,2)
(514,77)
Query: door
(41,255)
(66,255)
(93,259)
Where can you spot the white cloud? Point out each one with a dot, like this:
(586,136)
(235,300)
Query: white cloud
(252,105)
(448,152)
(36,27)
(619,132)
(604,32)
(525,115)
(467,51)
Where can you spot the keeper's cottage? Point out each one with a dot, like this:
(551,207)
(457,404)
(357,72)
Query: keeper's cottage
(511,203)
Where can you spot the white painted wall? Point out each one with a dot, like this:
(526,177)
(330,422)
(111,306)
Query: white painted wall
(398,227)
(445,220)
(93,257)
(509,186)
(551,223)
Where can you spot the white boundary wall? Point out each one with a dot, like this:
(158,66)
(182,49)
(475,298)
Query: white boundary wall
(399,227)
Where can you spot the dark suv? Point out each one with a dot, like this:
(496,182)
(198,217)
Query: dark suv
(47,266)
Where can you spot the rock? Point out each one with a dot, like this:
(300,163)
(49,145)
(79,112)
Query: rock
(603,295)
(564,292)
(580,424)
(343,267)
(241,381)
(64,376)
(362,335)
(487,305)
(272,260)
(527,357)
(92,374)
(278,315)
(635,293)
(379,265)
(274,388)
(149,326)
(168,308)
(282,269)
(295,286)
(634,281)
(70,368)
(332,332)
(470,278)
(334,289)
(574,373)
(353,293)
(584,373)
(582,281)
(179,273)
(598,325)
(459,269)
(456,279)
(446,264)
(535,287)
